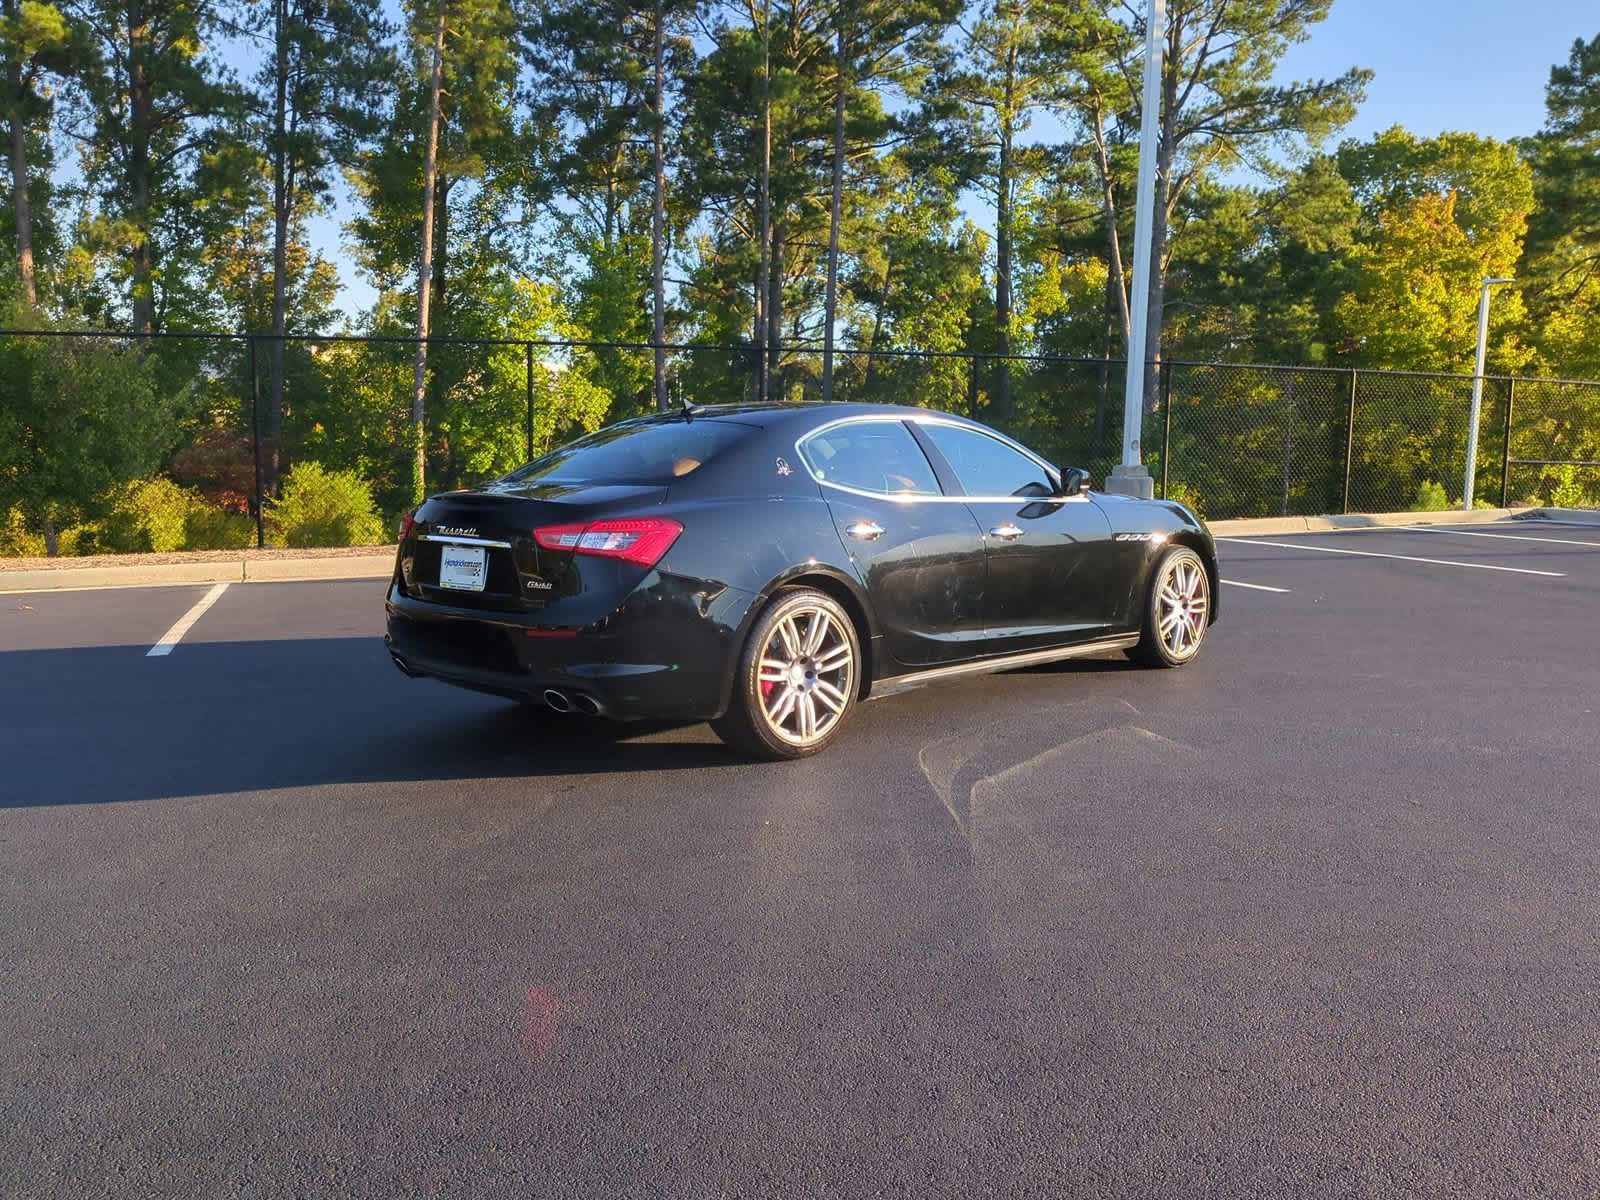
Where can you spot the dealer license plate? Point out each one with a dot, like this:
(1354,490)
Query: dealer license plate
(463,568)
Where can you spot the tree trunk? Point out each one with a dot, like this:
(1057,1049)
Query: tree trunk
(764,272)
(1165,154)
(425,266)
(775,309)
(52,536)
(830,303)
(19,171)
(1288,442)
(1002,281)
(658,219)
(282,202)
(877,326)
(1108,201)
(1102,392)
(439,275)
(141,116)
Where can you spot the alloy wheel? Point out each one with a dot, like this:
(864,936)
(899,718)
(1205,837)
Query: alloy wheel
(807,673)
(1182,604)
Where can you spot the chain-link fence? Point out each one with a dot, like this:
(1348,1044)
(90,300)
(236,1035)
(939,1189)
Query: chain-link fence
(228,416)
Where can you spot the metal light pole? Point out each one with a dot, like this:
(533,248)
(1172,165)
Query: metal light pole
(1130,477)
(1477,389)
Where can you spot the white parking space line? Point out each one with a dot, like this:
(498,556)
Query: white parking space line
(1256,587)
(1436,562)
(173,636)
(1506,537)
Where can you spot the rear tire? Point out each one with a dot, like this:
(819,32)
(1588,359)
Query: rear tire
(797,679)
(1177,609)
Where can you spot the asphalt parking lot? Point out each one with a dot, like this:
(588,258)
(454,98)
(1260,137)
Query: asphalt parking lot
(1316,916)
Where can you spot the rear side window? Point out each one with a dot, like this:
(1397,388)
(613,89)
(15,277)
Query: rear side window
(871,456)
(986,466)
(647,451)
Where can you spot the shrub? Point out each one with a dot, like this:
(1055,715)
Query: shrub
(1430,497)
(77,541)
(1568,492)
(324,508)
(148,514)
(16,539)
(208,528)
(1187,496)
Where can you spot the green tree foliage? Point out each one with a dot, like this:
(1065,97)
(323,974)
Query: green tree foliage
(1438,216)
(326,71)
(36,41)
(1562,268)
(77,418)
(153,116)
(939,183)
(593,81)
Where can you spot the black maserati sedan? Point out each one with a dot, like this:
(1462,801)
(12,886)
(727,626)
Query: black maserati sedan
(769,567)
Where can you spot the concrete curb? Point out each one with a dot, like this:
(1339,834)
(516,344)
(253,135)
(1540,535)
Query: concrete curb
(1355,521)
(243,570)
(366,566)
(1561,516)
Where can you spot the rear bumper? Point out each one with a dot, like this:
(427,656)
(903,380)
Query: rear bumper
(668,651)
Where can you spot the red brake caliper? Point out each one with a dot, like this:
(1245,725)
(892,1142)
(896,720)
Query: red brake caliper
(766,684)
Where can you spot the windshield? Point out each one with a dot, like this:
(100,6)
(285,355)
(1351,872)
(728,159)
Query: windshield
(650,450)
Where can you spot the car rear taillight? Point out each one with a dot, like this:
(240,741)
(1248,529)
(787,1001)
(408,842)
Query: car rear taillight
(638,540)
(408,522)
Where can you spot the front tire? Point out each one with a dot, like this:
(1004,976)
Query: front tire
(797,680)
(1176,612)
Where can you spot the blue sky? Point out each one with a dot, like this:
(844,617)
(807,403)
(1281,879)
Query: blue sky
(1474,65)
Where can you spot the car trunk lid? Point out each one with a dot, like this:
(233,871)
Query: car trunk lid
(477,548)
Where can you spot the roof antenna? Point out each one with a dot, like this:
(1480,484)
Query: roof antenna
(690,411)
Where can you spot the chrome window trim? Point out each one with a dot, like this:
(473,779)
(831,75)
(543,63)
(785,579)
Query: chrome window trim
(865,419)
(918,497)
(464,541)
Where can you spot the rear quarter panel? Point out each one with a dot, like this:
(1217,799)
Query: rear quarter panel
(752,522)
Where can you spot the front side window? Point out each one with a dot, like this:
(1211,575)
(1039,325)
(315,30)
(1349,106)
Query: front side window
(870,456)
(986,466)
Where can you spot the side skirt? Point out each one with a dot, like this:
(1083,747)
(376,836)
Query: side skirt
(1005,662)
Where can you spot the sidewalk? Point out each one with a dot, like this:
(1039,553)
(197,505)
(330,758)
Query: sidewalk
(194,566)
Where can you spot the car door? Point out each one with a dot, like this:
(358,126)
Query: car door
(1048,556)
(920,555)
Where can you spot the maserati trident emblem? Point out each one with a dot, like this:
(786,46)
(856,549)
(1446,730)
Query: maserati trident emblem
(784,468)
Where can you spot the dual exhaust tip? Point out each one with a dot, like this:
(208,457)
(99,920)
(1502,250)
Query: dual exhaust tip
(577,702)
(405,667)
(561,702)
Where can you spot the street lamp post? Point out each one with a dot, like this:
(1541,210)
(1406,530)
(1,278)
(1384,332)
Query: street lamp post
(1477,389)
(1130,477)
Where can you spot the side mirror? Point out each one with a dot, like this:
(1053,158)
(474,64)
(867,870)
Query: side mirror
(1074,481)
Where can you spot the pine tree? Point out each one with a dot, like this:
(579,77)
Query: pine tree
(316,98)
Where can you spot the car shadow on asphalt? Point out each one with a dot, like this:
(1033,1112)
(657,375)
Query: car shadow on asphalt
(107,724)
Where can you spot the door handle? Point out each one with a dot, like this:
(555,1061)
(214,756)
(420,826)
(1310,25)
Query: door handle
(866,531)
(1006,533)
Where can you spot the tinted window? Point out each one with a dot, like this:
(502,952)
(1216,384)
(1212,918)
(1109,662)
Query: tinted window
(648,451)
(874,456)
(987,466)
